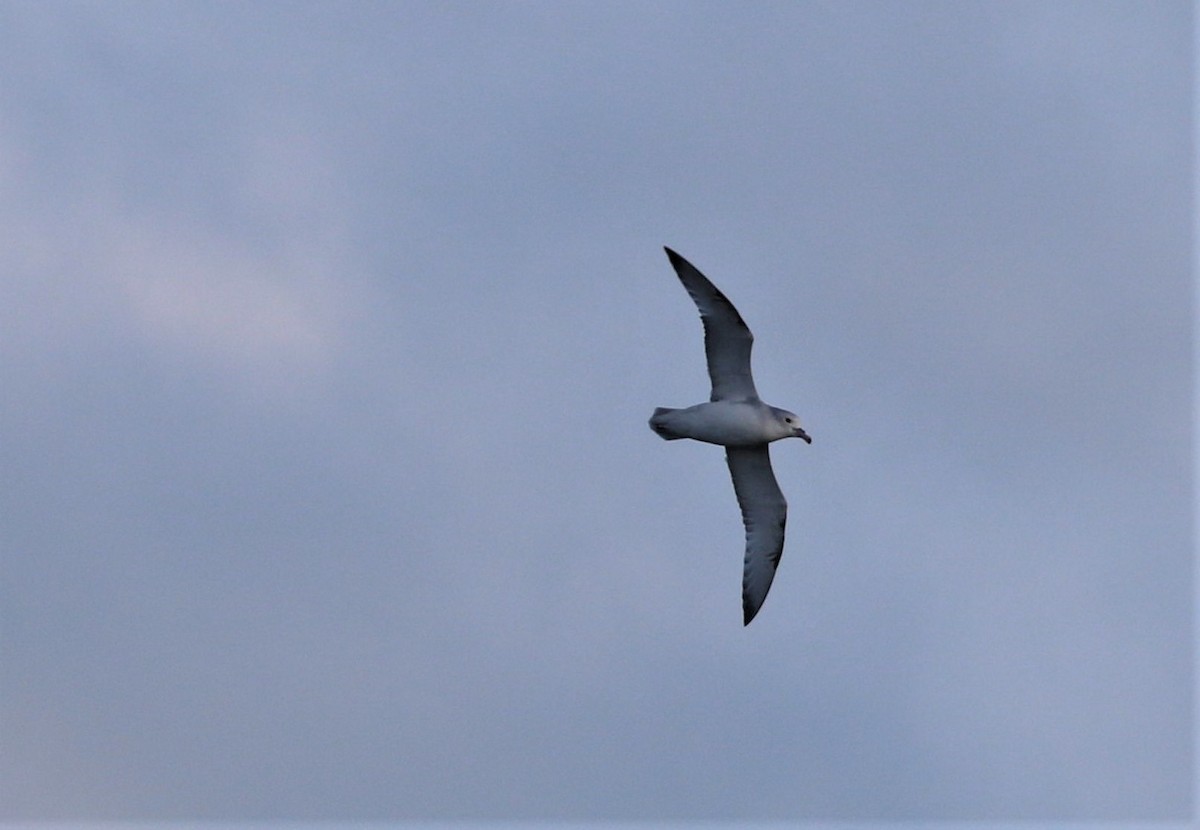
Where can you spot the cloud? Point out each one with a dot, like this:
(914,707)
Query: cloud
(263,289)
(201,293)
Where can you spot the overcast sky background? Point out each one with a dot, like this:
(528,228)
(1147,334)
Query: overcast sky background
(328,336)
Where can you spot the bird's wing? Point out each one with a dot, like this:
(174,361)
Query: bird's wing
(727,338)
(764,512)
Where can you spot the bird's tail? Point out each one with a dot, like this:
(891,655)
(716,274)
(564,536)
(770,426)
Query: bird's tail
(660,422)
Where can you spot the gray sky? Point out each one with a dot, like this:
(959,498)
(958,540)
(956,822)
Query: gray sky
(328,335)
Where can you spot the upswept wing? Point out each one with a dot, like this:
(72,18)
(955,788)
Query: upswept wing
(764,512)
(727,338)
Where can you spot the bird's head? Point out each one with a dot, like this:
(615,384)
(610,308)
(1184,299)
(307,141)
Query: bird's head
(792,422)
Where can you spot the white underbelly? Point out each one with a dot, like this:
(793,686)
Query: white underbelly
(726,423)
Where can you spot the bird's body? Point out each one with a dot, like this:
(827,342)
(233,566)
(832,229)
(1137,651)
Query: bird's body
(738,420)
(728,423)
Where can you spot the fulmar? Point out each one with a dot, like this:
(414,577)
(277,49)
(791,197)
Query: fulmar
(737,419)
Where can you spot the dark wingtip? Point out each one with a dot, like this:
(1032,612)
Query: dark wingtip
(674,257)
(747,614)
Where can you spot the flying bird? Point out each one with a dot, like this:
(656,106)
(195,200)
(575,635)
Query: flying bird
(738,420)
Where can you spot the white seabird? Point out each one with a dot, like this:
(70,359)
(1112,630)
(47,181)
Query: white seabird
(738,420)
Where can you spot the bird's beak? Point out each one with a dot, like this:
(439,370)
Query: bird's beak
(802,434)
